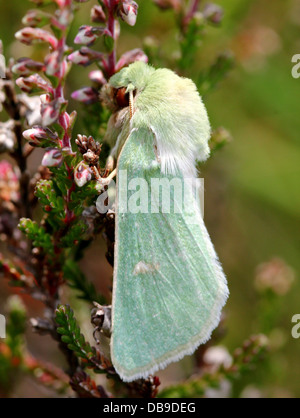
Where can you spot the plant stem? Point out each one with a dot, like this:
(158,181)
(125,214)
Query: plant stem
(12,107)
(194,4)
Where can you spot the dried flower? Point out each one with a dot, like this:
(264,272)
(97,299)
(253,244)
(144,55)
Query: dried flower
(86,144)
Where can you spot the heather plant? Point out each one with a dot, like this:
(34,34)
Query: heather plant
(48,219)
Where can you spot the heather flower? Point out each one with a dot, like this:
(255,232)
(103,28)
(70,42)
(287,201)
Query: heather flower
(51,111)
(33,83)
(169,4)
(36,18)
(31,108)
(97,77)
(274,275)
(27,66)
(213,13)
(214,357)
(37,134)
(86,95)
(82,174)
(130,57)
(98,15)
(2,95)
(9,182)
(85,56)
(7,136)
(87,35)
(30,35)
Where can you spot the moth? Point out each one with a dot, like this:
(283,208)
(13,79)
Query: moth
(168,287)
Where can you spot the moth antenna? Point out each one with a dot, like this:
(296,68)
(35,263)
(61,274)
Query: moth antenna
(131,108)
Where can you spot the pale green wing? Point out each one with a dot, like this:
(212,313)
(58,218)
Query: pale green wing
(169,288)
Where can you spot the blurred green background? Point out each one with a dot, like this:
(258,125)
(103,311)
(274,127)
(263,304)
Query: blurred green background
(252,198)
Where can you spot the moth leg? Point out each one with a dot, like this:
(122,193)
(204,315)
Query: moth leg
(110,163)
(104,181)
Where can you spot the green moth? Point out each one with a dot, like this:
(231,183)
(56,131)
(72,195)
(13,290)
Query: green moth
(169,287)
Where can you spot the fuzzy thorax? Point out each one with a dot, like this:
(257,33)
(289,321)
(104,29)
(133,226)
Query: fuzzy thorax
(170,106)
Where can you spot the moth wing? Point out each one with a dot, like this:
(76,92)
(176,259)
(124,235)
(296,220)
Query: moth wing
(169,287)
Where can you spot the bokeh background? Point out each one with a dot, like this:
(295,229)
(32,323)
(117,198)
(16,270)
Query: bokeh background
(252,200)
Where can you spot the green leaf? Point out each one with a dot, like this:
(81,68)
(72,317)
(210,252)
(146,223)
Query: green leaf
(75,341)
(37,235)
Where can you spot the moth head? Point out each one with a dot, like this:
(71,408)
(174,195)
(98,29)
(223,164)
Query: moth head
(133,78)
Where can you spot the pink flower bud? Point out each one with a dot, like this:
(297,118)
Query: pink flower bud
(98,15)
(86,95)
(65,3)
(128,11)
(30,35)
(52,158)
(77,58)
(35,18)
(82,174)
(26,66)
(169,4)
(9,182)
(130,57)
(213,13)
(65,17)
(97,77)
(87,35)
(85,56)
(38,134)
(33,83)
